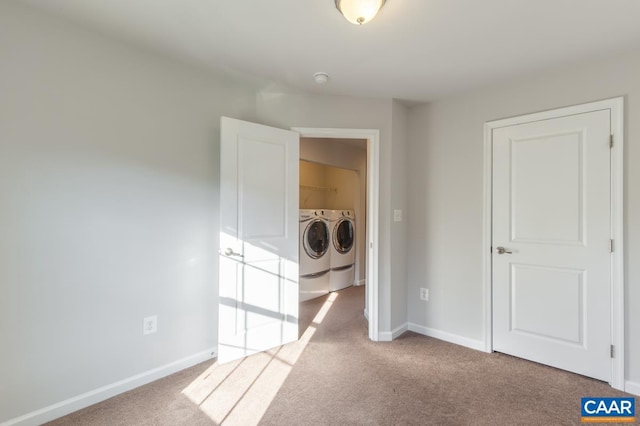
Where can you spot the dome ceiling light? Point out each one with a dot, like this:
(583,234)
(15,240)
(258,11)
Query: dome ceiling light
(359,11)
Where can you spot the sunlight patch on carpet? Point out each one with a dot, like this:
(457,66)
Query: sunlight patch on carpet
(241,391)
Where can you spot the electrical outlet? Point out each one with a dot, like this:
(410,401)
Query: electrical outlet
(424,294)
(397,215)
(149,325)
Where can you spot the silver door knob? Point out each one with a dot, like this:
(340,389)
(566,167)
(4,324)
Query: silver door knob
(502,250)
(229,252)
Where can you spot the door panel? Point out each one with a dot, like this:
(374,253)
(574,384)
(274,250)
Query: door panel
(563,314)
(262,180)
(551,286)
(258,307)
(547,169)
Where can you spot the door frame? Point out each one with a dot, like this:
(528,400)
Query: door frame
(372,137)
(616,109)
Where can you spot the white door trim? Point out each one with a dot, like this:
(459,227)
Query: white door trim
(373,187)
(616,108)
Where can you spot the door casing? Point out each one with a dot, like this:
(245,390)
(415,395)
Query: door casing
(616,109)
(373,187)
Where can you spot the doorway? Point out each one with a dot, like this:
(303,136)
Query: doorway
(368,249)
(553,239)
(259,234)
(333,183)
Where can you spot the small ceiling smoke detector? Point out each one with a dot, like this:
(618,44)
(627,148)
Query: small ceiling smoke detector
(321,77)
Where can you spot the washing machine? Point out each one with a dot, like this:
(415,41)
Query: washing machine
(343,249)
(314,248)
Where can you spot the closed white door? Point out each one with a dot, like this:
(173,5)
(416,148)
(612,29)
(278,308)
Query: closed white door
(551,242)
(258,305)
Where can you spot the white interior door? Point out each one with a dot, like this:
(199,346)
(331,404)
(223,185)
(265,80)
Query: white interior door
(551,235)
(258,302)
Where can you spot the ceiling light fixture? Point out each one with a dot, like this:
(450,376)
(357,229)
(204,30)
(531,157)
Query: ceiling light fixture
(359,11)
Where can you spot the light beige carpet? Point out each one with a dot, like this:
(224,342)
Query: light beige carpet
(335,376)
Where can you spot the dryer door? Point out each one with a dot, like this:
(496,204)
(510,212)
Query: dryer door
(343,237)
(316,239)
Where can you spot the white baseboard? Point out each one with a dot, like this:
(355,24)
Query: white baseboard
(366,314)
(388,336)
(84,400)
(396,332)
(448,337)
(632,387)
(361,282)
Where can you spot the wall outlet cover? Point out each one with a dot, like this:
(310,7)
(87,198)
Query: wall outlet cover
(424,294)
(149,325)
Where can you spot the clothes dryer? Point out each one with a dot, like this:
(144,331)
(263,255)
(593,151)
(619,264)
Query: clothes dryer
(343,249)
(314,250)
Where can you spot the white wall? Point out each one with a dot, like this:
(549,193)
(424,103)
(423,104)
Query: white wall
(399,201)
(109,182)
(108,185)
(445,183)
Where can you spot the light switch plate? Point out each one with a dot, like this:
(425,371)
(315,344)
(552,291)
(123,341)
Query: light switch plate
(397,215)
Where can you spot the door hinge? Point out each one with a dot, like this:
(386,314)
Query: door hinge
(613,351)
(610,141)
(611,246)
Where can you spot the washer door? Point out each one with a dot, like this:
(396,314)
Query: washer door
(343,236)
(316,239)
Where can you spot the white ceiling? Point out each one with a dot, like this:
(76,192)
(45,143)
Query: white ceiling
(416,50)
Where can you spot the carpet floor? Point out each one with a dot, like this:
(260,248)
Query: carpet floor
(334,375)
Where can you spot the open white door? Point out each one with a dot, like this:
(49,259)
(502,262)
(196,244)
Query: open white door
(258,307)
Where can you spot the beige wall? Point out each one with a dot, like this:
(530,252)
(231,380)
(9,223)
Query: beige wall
(347,189)
(313,175)
(446,173)
(327,187)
